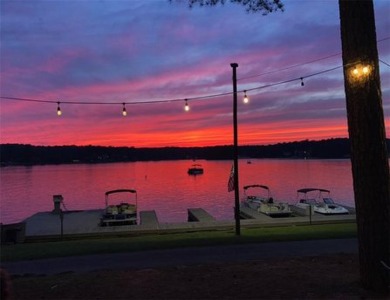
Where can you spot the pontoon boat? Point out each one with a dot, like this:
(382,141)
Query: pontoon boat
(124,213)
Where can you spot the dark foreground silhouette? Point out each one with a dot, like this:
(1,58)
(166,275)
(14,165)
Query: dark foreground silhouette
(317,277)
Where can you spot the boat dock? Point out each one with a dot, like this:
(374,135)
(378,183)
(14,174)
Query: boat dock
(86,223)
(149,219)
(248,213)
(199,215)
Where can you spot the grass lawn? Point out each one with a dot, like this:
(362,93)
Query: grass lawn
(40,250)
(318,277)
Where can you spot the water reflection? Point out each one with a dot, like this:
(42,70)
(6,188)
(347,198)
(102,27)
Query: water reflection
(165,186)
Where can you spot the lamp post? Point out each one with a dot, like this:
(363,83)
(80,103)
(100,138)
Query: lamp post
(235,152)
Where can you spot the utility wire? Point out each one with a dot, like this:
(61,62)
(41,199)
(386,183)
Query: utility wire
(290,67)
(304,63)
(385,63)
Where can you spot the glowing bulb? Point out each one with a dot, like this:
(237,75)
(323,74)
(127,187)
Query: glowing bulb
(124,112)
(186,106)
(59,112)
(246,98)
(360,71)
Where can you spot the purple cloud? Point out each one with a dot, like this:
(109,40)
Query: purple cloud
(136,51)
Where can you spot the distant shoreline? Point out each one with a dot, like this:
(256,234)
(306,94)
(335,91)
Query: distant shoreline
(5,165)
(30,155)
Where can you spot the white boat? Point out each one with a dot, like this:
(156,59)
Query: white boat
(195,169)
(264,203)
(124,213)
(320,202)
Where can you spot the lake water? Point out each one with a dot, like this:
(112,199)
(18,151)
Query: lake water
(165,186)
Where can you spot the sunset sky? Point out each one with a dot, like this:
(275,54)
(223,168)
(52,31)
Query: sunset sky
(92,56)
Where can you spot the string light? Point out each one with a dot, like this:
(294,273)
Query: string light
(59,112)
(246,98)
(364,70)
(171,100)
(124,112)
(186,106)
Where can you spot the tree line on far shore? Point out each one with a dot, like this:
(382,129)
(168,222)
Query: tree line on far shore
(22,154)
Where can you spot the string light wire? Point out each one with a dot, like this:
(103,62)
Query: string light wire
(174,100)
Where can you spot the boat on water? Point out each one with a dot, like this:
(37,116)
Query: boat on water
(319,201)
(263,202)
(124,213)
(195,169)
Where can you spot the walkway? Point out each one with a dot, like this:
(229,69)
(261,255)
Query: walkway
(182,256)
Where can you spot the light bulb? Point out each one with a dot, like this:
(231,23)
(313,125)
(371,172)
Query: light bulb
(59,112)
(246,98)
(361,71)
(124,112)
(186,106)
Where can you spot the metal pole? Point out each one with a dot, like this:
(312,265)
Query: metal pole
(235,152)
(62,223)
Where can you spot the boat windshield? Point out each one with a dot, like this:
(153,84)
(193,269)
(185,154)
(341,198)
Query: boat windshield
(328,201)
(308,201)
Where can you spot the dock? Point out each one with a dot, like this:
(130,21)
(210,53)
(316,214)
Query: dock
(149,219)
(249,213)
(86,223)
(199,215)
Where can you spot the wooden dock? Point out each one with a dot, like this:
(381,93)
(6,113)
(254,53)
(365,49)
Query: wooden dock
(249,213)
(199,215)
(149,219)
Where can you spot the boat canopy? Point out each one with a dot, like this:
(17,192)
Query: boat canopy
(307,190)
(120,191)
(196,165)
(256,185)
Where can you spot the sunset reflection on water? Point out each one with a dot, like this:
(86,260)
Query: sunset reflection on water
(165,186)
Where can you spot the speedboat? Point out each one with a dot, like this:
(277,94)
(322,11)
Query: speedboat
(124,213)
(320,202)
(264,203)
(195,169)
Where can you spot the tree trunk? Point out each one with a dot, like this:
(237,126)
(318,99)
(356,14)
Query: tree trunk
(370,167)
